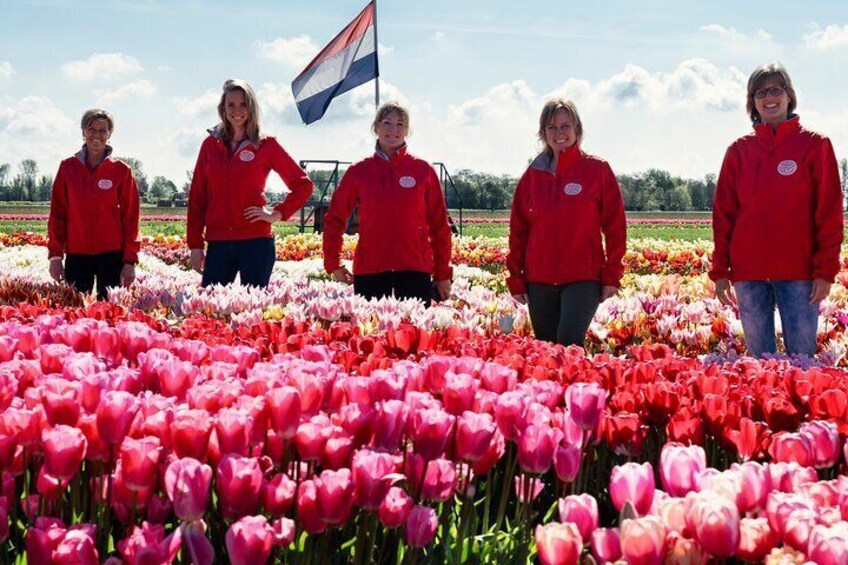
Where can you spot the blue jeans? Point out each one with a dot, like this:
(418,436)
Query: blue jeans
(252,259)
(798,317)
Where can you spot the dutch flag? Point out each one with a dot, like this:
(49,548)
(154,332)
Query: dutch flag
(348,61)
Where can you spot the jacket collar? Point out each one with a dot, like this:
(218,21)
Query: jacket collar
(218,133)
(82,154)
(401,152)
(544,161)
(785,129)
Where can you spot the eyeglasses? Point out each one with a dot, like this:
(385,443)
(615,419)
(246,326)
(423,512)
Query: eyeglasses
(772,92)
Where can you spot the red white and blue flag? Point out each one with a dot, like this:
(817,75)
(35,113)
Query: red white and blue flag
(348,61)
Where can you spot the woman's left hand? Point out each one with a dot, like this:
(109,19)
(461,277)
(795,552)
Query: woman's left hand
(821,288)
(608,292)
(127,274)
(443,288)
(260,214)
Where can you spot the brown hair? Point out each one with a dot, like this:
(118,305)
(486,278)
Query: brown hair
(391,107)
(547,116)
(759,77)
(252,129)
(97,114)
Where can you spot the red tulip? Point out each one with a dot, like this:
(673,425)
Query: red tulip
(536,446)
(624,433)
(187,483)
(756,539)
(606,545)
(250,541)
(395,507)
(633,483)
(679,467)
(643,541)
(64,450)
(558,544)
(421,526)
(115,414)
(334,492)
(430,431)
(148,544)
(239,482)
(582,511)
(473,435)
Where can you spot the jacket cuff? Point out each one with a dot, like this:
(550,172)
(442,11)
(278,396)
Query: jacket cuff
(445,274)
(330,265)
(516,285)
(716,274)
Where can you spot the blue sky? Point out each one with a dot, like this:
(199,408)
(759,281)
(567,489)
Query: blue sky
(658,84)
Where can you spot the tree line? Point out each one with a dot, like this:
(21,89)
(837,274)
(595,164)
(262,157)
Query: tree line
(648,191)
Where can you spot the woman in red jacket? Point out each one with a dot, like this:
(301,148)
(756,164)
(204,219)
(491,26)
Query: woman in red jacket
(404,236)
(777,220)
(567,231)
(226,206)
(93,222)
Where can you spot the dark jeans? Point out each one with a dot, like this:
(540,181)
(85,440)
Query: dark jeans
(401,284)
(81,270)
(251,259)
(562,313)
(798,317)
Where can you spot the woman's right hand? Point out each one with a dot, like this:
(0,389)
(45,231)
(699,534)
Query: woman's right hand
(342,275)
(520,298)
(724,292)
(57,270)
(197,260)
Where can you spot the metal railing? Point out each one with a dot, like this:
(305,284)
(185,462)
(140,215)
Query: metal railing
(447,181)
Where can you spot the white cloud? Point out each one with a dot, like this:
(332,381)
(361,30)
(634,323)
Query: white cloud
(6,70)
(138,89)
(102,66)
(294,52)
(203,105)
(831,37)
(35,117)
(731,38)
(500,102)
(384,49)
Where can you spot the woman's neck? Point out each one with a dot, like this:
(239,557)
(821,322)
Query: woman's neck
(94,158)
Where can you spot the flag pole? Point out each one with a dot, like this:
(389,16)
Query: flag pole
(377,53)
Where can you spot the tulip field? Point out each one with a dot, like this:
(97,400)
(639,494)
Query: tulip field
(304,425)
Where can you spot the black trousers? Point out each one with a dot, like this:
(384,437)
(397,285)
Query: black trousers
(82,270)
(251,259)
(562,313)
(401,284)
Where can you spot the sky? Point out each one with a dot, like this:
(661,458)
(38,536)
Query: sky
(659,84)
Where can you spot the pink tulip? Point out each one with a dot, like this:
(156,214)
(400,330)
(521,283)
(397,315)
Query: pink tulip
(435,480)
(234,428)
(633,483)
(536,446)
(672,512)
(485,464)
(48,486)
(176,377)
(239,483)
(528,488)
(190,431)
(284,532)
(756,539)
(77,547)
(511,413)
(643,541)
(198,546)
(799,526)
(778,508)
(459,392)
(558,544)
(585,403)
(284,406)
(395,508)
(824,438)
(311,437)
(498,378)
(679,467)
(187,483)
(473,435)
(250,541)
(307,508)
(421,526)
(431,429)
(373,475)
(683,551)
(278,494)
(789,477)
(158,509)
(606,545)
(582,511)
(567,462)
(790,447)
(96,448)
(148,544)
(4,518)
(64,450)
(390,424)
(334,492)
(115,414)
(61,400)
(139,461)
(756,484)
(714,523)
(829,546)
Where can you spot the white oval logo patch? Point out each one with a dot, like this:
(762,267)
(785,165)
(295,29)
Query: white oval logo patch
(407,182)
(572,188)
(787,167)
(104,184)
(247,156)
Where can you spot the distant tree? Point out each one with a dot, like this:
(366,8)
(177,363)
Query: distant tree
(28,179)
(138,172)
(184,190)
(161,189)
(44,189)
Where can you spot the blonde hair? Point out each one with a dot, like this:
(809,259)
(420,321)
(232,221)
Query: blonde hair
(762,74)
(549,110)
(97,114)
(391,107)
(252,128)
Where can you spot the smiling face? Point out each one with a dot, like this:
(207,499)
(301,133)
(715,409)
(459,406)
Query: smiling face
(391,132)
(561,131)
(771,100)
(236,110)
(96,135)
